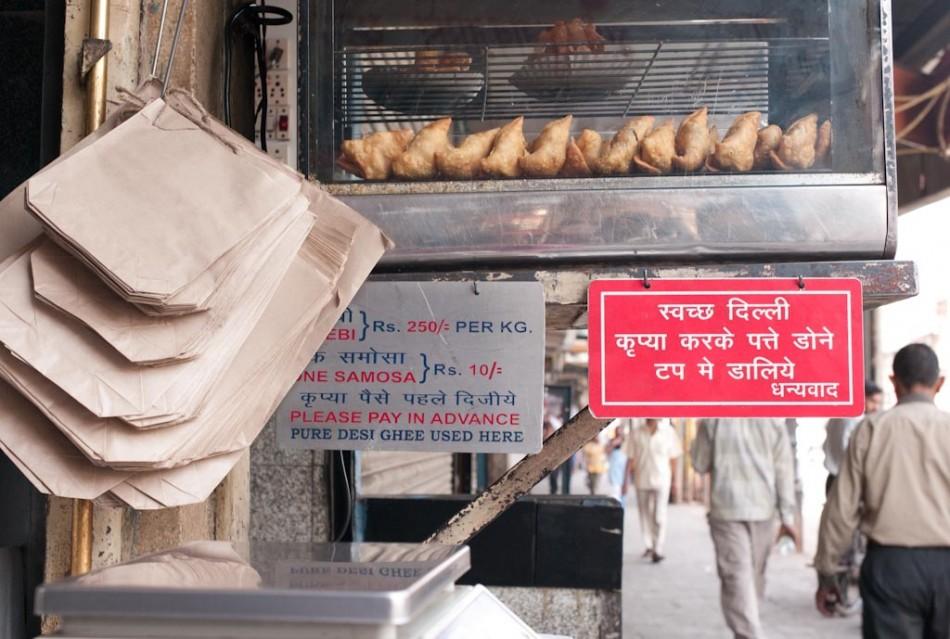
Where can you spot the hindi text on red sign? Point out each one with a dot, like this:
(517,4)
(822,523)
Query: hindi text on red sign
(726,348)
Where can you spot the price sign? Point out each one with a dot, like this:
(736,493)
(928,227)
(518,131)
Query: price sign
(428,366)
(726,348)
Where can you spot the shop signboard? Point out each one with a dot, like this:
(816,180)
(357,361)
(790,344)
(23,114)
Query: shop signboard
(726,348)
(426,366)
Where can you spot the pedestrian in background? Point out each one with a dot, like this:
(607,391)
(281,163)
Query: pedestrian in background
(567,473)
(595,459)
(894,483)
(546,431)
(838,431)
(652,452)
(837,435)
(753,479)
(616,464)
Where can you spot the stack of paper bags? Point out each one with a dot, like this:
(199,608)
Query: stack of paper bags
(182,281)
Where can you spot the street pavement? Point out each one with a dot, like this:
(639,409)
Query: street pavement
(679,598)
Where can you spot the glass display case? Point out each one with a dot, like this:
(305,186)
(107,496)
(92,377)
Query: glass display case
(593,130)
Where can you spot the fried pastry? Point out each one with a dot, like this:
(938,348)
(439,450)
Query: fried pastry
(576,36)
(434,61)
(617,155)
(657,150)
(767,141)
(823,145)
(549,150)
(590,144)
(463,162)
(692,141)
(417,162)
(575,164)
(711,148)
(427,60)
(713,139)
(797,148)
(371,157)
(736,152)
(505,157)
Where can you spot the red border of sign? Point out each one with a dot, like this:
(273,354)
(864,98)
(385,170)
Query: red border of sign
(785,286)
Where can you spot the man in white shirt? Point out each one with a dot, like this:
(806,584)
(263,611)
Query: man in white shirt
(652,451)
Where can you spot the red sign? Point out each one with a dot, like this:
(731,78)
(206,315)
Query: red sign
(726,348)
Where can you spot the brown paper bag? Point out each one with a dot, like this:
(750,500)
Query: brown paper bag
(173,198)
(258,378)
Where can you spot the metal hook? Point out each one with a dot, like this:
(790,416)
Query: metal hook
(171,53)
(475,287)
(801,283)
(646,280)
(158,40)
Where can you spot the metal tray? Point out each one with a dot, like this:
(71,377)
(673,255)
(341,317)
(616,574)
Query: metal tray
(406,90)
(577,77)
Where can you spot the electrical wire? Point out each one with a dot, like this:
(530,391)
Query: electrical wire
(350,502)
(254,18)
(936,97)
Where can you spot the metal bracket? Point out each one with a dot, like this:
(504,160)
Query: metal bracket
(93,50)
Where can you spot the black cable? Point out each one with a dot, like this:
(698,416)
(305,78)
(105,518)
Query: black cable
(228,31)
(350,502)
(262,70)
(255,18)
(259,46)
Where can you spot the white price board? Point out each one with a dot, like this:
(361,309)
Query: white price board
(426,366)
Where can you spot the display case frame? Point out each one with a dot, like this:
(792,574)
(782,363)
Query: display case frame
(638,219)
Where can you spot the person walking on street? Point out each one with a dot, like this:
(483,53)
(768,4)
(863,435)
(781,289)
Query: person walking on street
(595,458)
(753,478)
(547,429)
(894,483)
(838,431)
(651,460)
(616,464)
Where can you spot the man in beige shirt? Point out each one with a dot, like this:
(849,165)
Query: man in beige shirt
(894,484)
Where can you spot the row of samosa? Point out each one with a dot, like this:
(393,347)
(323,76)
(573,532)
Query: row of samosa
(639,146)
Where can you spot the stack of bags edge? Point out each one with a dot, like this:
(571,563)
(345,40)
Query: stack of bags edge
(181,282)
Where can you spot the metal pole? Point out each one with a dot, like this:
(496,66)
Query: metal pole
(519,479)
(81,558)
(96,84)
(96,81)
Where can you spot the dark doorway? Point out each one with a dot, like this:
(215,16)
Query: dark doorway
(31,80)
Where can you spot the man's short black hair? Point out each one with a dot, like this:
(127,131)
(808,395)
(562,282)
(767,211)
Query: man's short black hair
(871,389)
(916,364)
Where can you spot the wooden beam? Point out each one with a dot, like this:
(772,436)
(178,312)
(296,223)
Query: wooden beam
(519,479)
(565,289)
